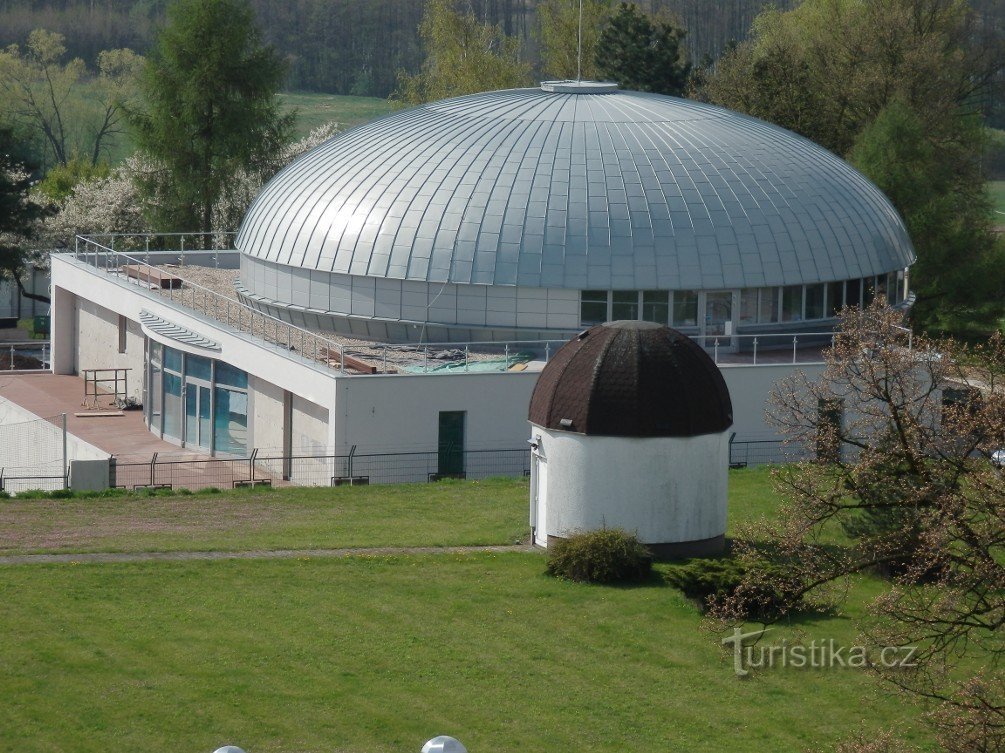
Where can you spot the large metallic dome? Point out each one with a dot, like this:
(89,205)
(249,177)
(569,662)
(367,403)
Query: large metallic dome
(559,187)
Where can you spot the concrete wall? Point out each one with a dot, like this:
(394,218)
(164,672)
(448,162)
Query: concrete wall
(309,428)
(265,414)
(667,490)
(401,413)
(98,338)
(749,390)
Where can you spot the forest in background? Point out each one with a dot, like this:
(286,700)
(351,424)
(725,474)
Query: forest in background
(350,46)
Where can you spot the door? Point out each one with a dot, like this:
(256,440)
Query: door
(450,461)
(198,410)
(539,520)
(717,327)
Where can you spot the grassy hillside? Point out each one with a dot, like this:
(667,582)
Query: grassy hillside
(381,652)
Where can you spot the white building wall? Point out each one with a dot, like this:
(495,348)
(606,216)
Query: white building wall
(750,390)
(98,336)
(401,413)
(309,430)
(266,419)
(665,489)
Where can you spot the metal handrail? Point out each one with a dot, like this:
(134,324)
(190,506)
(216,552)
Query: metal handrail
(307,345)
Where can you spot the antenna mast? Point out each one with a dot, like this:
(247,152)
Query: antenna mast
(579,52)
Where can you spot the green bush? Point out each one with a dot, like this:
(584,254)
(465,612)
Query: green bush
(703,579)
(610,555)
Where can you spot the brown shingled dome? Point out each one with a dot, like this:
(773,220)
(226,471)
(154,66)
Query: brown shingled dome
(632,379)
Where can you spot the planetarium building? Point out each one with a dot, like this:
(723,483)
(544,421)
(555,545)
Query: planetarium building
(532,213)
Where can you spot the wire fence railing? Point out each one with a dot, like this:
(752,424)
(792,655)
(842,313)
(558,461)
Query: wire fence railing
(754,452)
(25,356)
(277,469)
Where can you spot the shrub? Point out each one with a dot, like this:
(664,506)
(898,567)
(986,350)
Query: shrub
(704,580)
(610,555)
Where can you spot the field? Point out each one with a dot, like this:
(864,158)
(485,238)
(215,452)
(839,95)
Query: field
(313,110)
(997,190)
(383,651)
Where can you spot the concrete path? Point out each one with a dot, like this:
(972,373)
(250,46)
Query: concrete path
(263,554)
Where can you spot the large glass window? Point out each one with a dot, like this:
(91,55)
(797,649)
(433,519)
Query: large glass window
(814,302)
(685,308)
(214,412)
(792,303)
(656,306)
(868,290)
(593,307)
(625,305)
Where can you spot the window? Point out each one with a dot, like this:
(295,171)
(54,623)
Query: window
(656,306)
(901,285)
(625,305)
(593,307)
(685,308)
(814,301)
(768,311)
(868,291)
(748,305)
(891,288)
(122,334)
(853,293)
(792,303)
(835,297)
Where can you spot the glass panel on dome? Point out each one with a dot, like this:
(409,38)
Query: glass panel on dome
(815,301)
(835,297)
(625,305)
(656,306)
(853,293)
(685,308)
(748,305)
(593,307)
(792,303)
(769,306)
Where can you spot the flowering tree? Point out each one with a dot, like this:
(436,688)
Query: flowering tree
(905,430)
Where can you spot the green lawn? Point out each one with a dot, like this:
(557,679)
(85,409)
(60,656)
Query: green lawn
(443,514)
(316,109)
(380,653)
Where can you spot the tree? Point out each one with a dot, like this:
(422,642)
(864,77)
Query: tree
(914,485)
(19,215)
(463,56)
(558,33)
(642,54)
(894,86)
(935,181)
(41,92)
(211,109)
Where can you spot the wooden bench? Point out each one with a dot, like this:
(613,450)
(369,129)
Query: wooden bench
(333,358)
(151,275)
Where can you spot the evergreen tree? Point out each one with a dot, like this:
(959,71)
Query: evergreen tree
(642,54)
(210,86)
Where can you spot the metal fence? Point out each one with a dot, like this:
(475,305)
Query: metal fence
(32,355)
(752,452)
(276,469)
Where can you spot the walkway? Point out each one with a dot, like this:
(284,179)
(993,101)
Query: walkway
(48,395)
(262,554)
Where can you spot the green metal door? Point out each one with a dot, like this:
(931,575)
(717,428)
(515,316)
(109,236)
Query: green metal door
(451,444)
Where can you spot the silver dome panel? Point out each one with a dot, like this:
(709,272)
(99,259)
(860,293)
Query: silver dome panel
(619,190)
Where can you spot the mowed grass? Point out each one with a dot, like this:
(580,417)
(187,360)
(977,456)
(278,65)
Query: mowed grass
(448,513)
(382,653)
